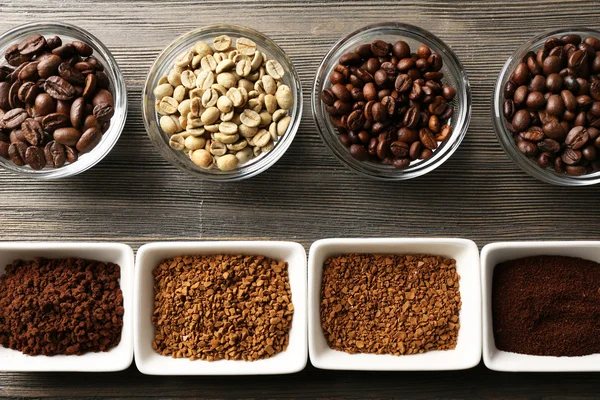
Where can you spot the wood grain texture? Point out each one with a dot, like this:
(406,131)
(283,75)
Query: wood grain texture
(134,196)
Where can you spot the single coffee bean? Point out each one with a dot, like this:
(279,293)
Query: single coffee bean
(328,97)
(82,49)
(438,106)
(527,148)
(70,74)
(401,163)
(14,57)
(570,156)
(555,105)
(55,154)
(380,48)
(580,119)
(13,95)
(48,66)
(405,64)
(53,42)
(34,157)
(401,49)
(521,120)
(407,135)
(549,146)
(428,139)
(64,51)
(584,101)
(533,134)
(71,154)
(544,160)
(415,150)
(554,83)
(575,170)
(53,121)
(27,92)
(364,51)
(389,103)
(521,74)
(595,90)
(520,96)
(577,137)
(89,139)
(577,59)
(589,153)
(537,84)
(380,78)
(77,114)
(571,38)
(448,92)
(16,152)
(551,64)
(399,149)
(4,145)
(67,136)
(444,134)
(379,112)
(356,120)
(59,88)
(535,100)
(509,89)
(4,90)
(434,124)
(569,100)
(403,83)
(13,118)
(29,72)
(32,45)
(412,117)
(33,131)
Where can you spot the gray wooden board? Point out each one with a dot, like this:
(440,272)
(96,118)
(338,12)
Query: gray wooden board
(134,196)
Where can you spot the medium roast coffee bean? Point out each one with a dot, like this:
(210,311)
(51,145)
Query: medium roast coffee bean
(89,139)
(16,152)
(67,136)
(34,157)
(59,88)
(55,154)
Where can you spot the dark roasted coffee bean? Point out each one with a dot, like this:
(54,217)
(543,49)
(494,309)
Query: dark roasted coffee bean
(359,152)
(27,92)
(70,74)
(554,83)
(555,105)
(593,41)
(380,48)
(584,101)
(544,160)
(535,100)
(436,62)
(53,121)
(403,83)
(328,97)
(372,65)
(520,96)
(399,149)
(575,170)
(389,103)
(551,64)
(344,140)
(533,66)
(434,123)
(4,90)
(67,136)
(59,88)
(401,163)
(444,134)
(4,145)
(34,157)
(415,150)
(428,139)
(32,45)
(29,72)
(91,137)
(401,49)
(77,114)
(537,84)
(55,154)
(16,135)
(521,74)
(570,156)
(577,59)
(14,57)
(569,100)
(577,137)
(595,90)
(71,154)
(405,64)
(589,153)
(407,135)
(438,106)
(343,70)
(533,134)
(82,49)
(571,38)
(527,148)
(33,131)
(53,42)
(383,148)
(381,78)
(389,68)
(361,73)
(412,117)
(364,51)
(48,66)
(355,121)
(16,152)
(340,91)
(13,95)
(549,145)
(509,89)
(448,92)
(580,119)
(84,67)
(14,118)
(570,83)
(350,59)
(379,112)
(521,120)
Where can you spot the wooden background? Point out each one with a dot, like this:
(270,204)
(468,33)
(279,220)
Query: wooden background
(134,196)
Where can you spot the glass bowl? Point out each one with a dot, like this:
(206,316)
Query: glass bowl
(69,33)
(454,75)
(164,63)
(505,137)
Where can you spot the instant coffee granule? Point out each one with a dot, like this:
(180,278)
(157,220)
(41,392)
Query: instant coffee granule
(217,307)
(60,306)
(547,306)
(390,304)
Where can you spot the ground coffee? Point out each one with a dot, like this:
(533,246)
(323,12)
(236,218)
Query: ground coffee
(63,306)
(547,306)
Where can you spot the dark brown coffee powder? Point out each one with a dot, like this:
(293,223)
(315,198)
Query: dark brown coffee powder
(61,306)
(547,306)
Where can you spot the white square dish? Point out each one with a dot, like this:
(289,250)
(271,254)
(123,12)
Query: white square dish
(293,359)
(467,353)
(499,360)
(116,359)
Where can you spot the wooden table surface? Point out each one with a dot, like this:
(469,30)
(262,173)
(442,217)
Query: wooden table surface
(134,196)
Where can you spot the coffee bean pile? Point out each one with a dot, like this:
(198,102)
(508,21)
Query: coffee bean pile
(55,102)
(552,105)
(389,104)
(221,307)
(390,304)
(62,306)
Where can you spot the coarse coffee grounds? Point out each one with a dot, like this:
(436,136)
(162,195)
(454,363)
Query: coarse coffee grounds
(60,306)
(217,307)
(547,306)
(390,304)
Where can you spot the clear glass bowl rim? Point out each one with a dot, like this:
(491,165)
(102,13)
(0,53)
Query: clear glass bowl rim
(505,137)
(119,91)
(464,114)
(245,171)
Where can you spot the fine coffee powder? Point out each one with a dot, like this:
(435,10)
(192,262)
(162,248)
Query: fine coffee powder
(61,306)
(547,306)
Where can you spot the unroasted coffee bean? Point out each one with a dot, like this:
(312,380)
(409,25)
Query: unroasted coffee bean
(382,95)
